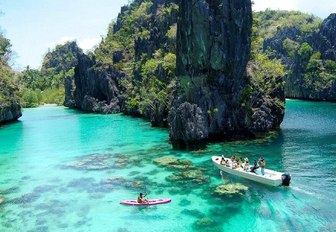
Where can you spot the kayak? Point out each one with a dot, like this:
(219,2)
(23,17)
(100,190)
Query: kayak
(149,203)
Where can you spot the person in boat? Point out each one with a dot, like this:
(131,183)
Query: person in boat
(233,161)
(255,166)
(247,164)
(223,162)
(240,162)
(141,198)
(262,165)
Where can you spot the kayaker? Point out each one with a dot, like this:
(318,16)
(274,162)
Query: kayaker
(262,165)
(141,198)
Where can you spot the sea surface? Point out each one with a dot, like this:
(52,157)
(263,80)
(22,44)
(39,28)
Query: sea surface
(61,170)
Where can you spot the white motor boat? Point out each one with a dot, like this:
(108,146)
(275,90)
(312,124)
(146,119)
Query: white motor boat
(270,177)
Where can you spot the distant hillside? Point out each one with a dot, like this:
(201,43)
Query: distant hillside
(47,85)
(307,47)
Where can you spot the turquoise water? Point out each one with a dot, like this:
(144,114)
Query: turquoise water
(65,171)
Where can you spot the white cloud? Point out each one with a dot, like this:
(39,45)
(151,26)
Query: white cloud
(85,43)
(62,40)
(275,4)
(88,43)
(321,8)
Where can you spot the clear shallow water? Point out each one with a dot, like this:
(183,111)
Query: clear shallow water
(65,171)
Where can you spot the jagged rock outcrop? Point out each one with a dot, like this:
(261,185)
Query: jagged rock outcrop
(9,111)
(97,88)
(213,45)
(327,38)
(137,50)
(310,57)
(10,108)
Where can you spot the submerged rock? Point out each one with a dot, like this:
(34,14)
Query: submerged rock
(230,190)
(204,222)
(2,200)
(188,177)
(99,162)
(165,161)
(26,198)
(44,188)
(174,163)
(184,202)
(193,212)
(121,161)
(91,162)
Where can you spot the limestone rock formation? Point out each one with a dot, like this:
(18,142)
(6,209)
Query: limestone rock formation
(9,111)
(213,45)
(312,70)
(96,88)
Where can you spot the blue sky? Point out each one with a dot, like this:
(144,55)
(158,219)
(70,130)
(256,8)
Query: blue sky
(33,26)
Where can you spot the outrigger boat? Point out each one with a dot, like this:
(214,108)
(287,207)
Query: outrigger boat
(270,177)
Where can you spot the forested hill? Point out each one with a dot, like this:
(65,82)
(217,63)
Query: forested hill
(10,108)
(307,47)
(46,85)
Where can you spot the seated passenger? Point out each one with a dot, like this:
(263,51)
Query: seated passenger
(222,162)
(246,165)
(240,162)
(255,167)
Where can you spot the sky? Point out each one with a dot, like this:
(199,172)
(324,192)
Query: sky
(34,26)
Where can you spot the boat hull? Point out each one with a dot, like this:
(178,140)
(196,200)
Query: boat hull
(149,203)
(271,177)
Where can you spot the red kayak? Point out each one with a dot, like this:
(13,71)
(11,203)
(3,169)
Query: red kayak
(149,203)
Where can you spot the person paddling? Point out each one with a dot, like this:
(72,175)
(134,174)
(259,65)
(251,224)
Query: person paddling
(141,198)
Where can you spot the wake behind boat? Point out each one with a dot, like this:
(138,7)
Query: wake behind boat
(270,177)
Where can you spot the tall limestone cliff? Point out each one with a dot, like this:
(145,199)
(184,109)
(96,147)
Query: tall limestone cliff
(215,98)
(10,107)
(96,87)
(133,68)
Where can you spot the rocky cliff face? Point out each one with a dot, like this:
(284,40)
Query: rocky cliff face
(10,108)
(310,58)
(95,88)
(133,66)
(326,38)
(212,101)
(9,111)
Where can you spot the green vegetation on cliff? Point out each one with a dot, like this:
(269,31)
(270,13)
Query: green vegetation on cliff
(8,89)
(305,45)
(46,86)
(10,108)
(141,44)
